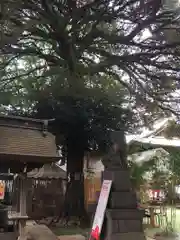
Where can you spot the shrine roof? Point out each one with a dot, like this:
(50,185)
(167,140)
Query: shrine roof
(48,171)
(20,118)
(26,141)
(23,122)
(158,138)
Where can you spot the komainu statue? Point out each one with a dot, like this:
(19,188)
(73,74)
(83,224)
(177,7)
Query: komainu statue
(117,156)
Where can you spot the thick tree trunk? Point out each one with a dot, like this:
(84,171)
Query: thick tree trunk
(74,200)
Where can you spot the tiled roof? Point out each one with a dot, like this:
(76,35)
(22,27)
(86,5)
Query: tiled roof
(152,138)
(24,141)
(160,141)
(48,171)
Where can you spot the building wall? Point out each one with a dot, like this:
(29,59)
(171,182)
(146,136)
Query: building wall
(92,181)
(93,169)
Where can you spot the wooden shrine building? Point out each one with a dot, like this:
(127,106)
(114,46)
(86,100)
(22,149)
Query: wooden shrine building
(25,144)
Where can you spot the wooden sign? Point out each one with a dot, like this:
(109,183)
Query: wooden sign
(100,210)
(2,190)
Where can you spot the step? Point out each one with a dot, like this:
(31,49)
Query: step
(120,178)
(124,214)
(123,200)
(127,236)
(126,226)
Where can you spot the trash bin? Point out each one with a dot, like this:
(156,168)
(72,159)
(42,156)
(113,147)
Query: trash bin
(3,217)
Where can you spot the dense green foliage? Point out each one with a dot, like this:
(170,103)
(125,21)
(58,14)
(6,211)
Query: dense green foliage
(81,39)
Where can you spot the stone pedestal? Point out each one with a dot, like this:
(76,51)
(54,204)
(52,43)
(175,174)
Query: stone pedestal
(123,221)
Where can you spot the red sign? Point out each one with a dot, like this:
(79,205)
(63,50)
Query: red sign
(156,194)
(2,190)
(100,210)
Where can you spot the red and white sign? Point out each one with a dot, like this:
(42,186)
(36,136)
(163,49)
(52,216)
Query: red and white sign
(156,194)
(100,210)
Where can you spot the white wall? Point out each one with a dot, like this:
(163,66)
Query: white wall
(93,164)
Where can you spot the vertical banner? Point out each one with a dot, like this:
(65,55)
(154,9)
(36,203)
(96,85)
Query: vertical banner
(100,210)
(2,190)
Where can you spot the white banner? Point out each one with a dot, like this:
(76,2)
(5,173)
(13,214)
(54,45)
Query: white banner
(100,210)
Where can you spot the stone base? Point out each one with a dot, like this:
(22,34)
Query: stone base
(123,221)
(118,177)
(127,236)
(125,214)
(123,200)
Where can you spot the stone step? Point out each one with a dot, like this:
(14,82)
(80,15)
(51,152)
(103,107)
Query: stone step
(120,178)
(125,214)
(122,200)
(126,226)
(127,236)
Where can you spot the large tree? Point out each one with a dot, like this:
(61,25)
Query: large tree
(80,40)
(82,122)
(77,40)
(82,125)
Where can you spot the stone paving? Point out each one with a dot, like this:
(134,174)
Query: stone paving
(72,237)
(80,237)
(7,236)
(64,237)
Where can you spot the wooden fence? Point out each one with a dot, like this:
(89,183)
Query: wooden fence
(45,198)
(92,188)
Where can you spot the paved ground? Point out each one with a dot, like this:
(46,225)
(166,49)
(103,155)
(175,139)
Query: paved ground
(7,236)
(65,237)
(72,237)
(80,237)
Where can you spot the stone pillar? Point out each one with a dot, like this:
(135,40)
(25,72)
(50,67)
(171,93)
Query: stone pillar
(22,218)
(123,221)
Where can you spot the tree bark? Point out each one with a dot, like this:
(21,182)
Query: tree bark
(74,199)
